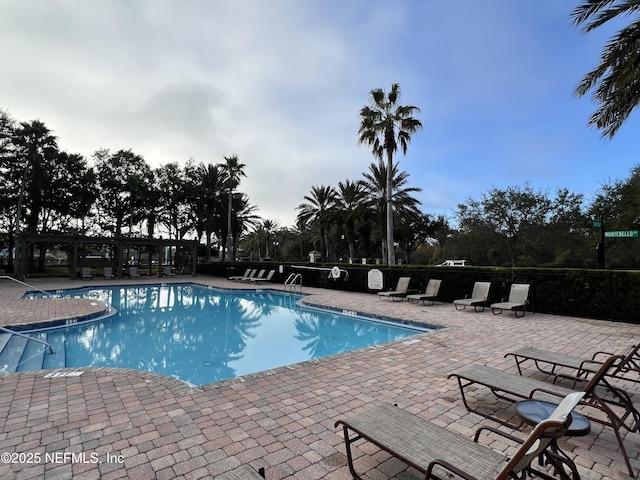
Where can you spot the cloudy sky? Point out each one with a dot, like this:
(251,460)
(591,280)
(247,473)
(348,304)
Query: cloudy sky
(280,83)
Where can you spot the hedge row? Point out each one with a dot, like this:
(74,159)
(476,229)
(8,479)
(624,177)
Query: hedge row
(600,294)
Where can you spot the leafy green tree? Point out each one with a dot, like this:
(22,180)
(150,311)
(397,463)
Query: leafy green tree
(413,231)
(617,203)
(319,209)
(615,81)
(69,193)
(385,125)
(124,180)
(519,226)
(11,175)
(36,151)
(175,204)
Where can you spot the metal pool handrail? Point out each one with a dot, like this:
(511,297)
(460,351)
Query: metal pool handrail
(7,277)
(290,282)
(28,338)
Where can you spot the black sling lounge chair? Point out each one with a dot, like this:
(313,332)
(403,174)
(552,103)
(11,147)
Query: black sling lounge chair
(600,395)
(440,453)
(628,369)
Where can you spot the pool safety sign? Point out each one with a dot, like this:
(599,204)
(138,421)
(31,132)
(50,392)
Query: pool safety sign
(375,280)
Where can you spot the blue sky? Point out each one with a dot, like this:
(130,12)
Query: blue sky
(280,84)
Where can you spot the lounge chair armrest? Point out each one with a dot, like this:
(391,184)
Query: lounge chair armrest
(543,390)
(601,352)
(585,363)
(447,466)
(496,431)
(563,376)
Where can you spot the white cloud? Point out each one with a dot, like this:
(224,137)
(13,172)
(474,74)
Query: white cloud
(280,84)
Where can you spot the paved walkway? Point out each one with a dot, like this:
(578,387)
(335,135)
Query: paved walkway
(116,423)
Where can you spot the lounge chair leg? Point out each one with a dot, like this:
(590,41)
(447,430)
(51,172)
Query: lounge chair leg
(347,442)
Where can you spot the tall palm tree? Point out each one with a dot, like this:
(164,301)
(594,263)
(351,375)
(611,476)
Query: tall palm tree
(375,184)
(383,125)
(233,170)
(320,206)
(616,79)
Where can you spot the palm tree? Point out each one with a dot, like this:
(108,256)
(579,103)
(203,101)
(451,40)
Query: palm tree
(350,208)
(616,80)
(245,217)
(207,205)
(375,185)
(320,206)
(383,125)
(233,170)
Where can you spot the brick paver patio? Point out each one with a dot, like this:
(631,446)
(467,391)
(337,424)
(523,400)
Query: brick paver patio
(116,423)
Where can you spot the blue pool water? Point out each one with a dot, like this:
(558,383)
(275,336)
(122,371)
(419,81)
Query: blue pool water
(203,335)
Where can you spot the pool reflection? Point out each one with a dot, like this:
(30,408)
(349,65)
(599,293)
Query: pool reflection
(202,335)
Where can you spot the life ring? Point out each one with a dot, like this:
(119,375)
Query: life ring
(335,273)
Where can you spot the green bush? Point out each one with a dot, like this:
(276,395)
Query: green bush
(600,294)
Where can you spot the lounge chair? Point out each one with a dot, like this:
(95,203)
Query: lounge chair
(440,453)
(400,291)
(260,276)
(584,366)
(133,272)
(478,298)
(108,272)
(512,387)
(430,294)
(240,277)
(168,271)
(244,472)
(518,299)
(86,273)
(266,279)
(246,278)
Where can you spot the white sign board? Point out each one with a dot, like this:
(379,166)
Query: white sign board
(375,279)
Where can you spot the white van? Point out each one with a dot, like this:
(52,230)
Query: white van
(454,263)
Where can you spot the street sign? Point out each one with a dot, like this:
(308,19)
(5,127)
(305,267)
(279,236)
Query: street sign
(597,224)
(622,234)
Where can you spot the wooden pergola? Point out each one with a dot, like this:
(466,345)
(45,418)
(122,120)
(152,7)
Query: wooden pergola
(24,242)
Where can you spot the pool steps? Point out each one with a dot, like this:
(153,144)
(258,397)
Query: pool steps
(18,354)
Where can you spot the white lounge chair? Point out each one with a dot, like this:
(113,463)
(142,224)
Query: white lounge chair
(168,271)
(266,279)
(108,272)
(518,300)
(258,277)
(133,272)
(430,294)
(240,277)
(478,297)
(400,291)
(86,273)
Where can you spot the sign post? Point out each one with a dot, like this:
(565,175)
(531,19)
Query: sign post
(600,247)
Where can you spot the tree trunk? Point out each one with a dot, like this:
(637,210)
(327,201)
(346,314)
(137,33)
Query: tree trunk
(391,257)
(229,233)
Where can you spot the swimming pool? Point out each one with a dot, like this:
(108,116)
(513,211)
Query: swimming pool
(203,335)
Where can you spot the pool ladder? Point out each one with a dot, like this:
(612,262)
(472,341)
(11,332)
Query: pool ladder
(292,282)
